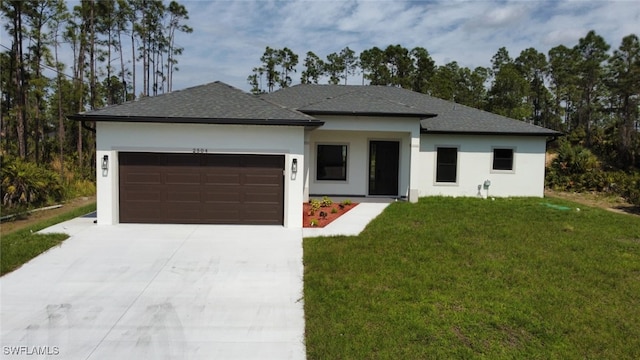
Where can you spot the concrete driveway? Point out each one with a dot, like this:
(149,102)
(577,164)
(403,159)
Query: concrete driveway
(158,292)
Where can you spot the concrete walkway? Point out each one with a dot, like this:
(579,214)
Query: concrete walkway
(353,221)
(158,292)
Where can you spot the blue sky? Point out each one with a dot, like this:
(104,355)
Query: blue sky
(230,36)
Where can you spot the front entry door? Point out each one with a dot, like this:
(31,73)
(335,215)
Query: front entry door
(384,159)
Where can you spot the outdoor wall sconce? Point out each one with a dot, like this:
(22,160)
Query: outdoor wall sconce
(105,163)
(294,166)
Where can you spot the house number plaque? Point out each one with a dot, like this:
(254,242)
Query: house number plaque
(200,151)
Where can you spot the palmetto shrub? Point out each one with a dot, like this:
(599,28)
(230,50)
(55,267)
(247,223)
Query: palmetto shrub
(26,184)
(576,168)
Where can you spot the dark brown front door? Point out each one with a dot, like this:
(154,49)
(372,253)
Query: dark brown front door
(201,188)
(384,159)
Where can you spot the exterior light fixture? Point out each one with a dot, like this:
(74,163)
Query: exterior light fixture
(294,166)
(105,162)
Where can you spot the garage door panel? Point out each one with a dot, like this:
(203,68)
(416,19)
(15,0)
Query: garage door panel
(201,188)
(221,216)
(148,194)
(189,176)
(142,159)
(263,161)
(184,196)
(183,215)
(262,216)
(262,179)
(228,194)
(181,160)
(144,211)
(222,161)
(221,179)
(146,178)
(257,195)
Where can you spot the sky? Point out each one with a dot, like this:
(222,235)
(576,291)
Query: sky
(230,36)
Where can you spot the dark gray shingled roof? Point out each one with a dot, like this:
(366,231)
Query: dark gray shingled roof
(439,116)
(216,103)
(341,99)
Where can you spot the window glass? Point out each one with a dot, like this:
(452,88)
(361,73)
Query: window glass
(332,162)
(447,164)
(502,159)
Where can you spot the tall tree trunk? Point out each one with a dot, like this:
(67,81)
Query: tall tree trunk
(122,72)
(133,61)
(60,117)
(92,60)
(80,88)
(37,59)
(20,104)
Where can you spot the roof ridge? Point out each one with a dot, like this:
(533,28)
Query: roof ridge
(295,111)
(349,91)
(390,100)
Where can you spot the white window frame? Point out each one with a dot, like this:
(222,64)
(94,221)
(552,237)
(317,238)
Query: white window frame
(346,176)
(435,166)
(513,160)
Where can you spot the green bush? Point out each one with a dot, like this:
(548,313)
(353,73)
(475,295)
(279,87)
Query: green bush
(26,184)
(81,188)
(75,181)
(315,205)
(577,169)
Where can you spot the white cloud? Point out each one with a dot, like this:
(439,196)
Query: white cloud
(230,36)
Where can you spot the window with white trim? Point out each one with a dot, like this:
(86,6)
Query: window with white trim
(446,165)
(331,162)
(502,159)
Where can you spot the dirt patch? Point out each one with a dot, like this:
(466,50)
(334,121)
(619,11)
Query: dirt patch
(325,215)
(594,199)
(23,221)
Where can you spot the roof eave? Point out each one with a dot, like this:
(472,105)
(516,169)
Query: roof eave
(190,120)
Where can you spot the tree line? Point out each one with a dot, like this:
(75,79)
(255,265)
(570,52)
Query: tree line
(109,40)
(585,91)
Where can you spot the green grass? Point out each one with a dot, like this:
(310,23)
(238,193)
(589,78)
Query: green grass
(471,278)
(18,247)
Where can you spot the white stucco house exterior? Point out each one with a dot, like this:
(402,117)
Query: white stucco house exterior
(214,154)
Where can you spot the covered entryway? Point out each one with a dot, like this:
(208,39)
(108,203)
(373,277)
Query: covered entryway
(179,188)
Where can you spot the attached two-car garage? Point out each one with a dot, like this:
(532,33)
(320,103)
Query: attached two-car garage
(201,188)
(210,154)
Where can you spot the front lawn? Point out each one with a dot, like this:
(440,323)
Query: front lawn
(18,247)
(471,278)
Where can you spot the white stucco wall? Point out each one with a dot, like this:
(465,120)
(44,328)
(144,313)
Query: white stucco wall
(475,156)
(349,130)
(113,137)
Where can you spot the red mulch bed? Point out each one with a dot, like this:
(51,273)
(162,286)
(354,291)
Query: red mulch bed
(323,221)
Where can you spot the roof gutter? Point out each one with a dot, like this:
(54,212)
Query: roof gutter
(554,138)
(84,125)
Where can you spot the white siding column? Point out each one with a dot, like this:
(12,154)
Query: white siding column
(415,168)
(305,166)
(106,186)
(293,183)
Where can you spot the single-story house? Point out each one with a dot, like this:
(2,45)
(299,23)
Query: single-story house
(215,154)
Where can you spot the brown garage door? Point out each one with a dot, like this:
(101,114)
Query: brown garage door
(201,188)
